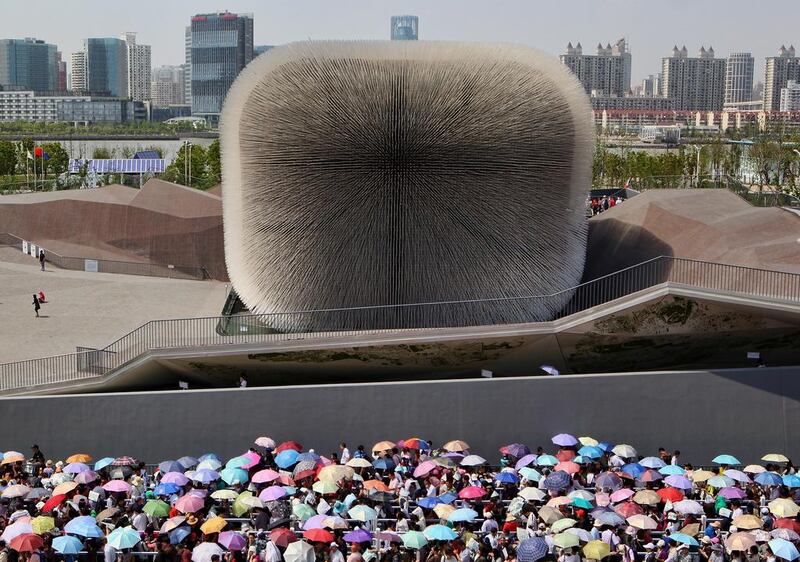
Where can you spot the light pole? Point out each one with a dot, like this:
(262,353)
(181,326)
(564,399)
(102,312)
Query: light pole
(798,172)
(698,149)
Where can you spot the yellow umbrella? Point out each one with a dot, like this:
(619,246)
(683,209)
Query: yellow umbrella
(740,542)
(11,459)
(596,550)
(383,446)
(42,524)
(646,497)
(65,488)
(783,507)
(549,515)
(701,475)
(443,510)
(691,529)
(224,495)
(566,540)
(588,441)
(79,457)
(747,522)
(775,457)
(336,472)
(456,446)
(641,521)
(325,487)
(754,469)
(359,463)
(213,525)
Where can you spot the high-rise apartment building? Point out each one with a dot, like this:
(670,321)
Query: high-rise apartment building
(28,63)
(78,77)
(106,66)
(405,28)
(779,70)
(696,83)
(790,96)
(187,65)
(139,68)
(167,87)
(651,86)
(221,46)
(739,77)
(61,76)
(606,73)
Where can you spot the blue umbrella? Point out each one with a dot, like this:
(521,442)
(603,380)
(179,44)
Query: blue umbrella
(530,473)
(546,460)
(177,534)
(729,460)
(671,470)
(286,458)
(608,480)
(208,456)
(237,462)
(634,469)
(558,480)
(463,514)
(605,446)
(123,537)
(166,489)
(86,526)
(439,533)
(67,545)
(791,480)
(768,479)
(170,466)
(448,497)
(233,476)
(312,457)
(383,464)
(652,462)
(429,503)
(611,518)
(507,478)
(532,549)
(206,476)
(591,452)
(188,462)
(684,538)
(104,462)
(783,549)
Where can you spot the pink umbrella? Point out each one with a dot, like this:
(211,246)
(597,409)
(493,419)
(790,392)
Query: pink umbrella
(286,479)
(325,461)
(117,486)
(266,475)
(568,466)
(602,499)
(177,478)
(621,495)
(315,522)
(272,493)
(86,477)
(199,492)
(232,540)
(255,458)
(424,468)
(471,493)
(189,503)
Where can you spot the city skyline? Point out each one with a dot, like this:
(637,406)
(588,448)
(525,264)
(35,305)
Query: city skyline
(537,24)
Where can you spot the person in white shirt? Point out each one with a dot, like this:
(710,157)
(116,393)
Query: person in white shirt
(336,554)
(109,553)
(271,553)
(140,521)
(489,525)
(345,456)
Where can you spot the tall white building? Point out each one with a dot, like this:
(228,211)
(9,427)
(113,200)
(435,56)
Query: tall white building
(779,70)
(651,86)
(790,96)
(187,65)
(168,86)
(606,73)
(696,83)
(739,78)
(78,64)
(139,68)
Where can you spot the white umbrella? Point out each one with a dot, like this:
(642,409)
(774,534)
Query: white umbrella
(15,530)
(624,450)
(473,460)
(204,551)
(299,551)
(688,507)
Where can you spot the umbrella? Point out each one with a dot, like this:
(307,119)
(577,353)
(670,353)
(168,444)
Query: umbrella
(783,507)
(358,536)
(566,540)
(383,464)
(787,523)
(506,478)
(166,489)
(177,478)
(525,461)
(670,469)
(302,511)
(546,460)
(37,494)
(740,542)
(473,460)
(388,536)
(591,452)
(684,538)
(232,540)
(569,467)
(362,513)
(702,475)
(646,497)
(747,522)
(414,540)
(375,485)
(564,440)
(634,469)
(678,481)
(16,529)
(754,469)
(102,463)
(596,550)
(117,486)
(783,549)
(26,543)
(557,480)
(187,462)
(530,474)
(282,537)
(583,535)
(172,523)
(549,515)
(692,529)
(336,472)
(16,491)
(233,476)
(610,518)
(85,526)
(323,487)
(624,451)
(335,522)
(580,502)
(642,522)
(224,494)
(264,476)
(273,493)
(423,468)
(443,510)
(205,550)
(123,537)
(170,466)
(42,524)
(628,509)
(737,475)
(209,464)
(791,480)
(517,450)
(532,549)
(416,443)
(75,468)
(532,494)
(189,504)
(621,495)
(720,481)
(177,534)
(471,492)
(67,544)
(315,522)
(775,457)
(79,457)
(768,479)
(670,494)
(299,551)
(786,534)
(266,442)
(652,462)
(456,446)
(727,460)
(731,493)
(213,525)
(156,508)
(286,458)
(86,477)
(650,475)
(205,476)
(562,525)
(608,480)
(463,514)
(106,514)
(688,507)
(383,446)
(125,461)
(318,535)
(252,502)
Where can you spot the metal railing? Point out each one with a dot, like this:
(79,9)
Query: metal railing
(221,331)
(110,266)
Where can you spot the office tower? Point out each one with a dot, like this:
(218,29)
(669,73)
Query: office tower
(651,86)
(739,78)
(696,83)
(28,63)
(790,96)
(106,66)
(606,73)
(168,86)
(779,70)
(187,65)
(139,68)
(221,46)
(61,76)
(78,64)
(405,28)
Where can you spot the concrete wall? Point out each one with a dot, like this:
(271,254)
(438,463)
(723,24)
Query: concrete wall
(746,413)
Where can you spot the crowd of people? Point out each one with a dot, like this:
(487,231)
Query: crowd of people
(597,205)
(582,500)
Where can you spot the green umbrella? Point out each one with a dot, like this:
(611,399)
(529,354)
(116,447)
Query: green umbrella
(124,537)
(363,513)
(238,508)
(303,511)
(414,539)
(562,524)
(566,540)
(156,508)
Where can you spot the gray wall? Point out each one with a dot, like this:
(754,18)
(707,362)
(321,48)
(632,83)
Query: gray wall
(746,413)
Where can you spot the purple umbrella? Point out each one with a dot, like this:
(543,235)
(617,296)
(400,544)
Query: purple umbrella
(358,535)
(76,468)
(517,450)
(177,478)
(232,540)
(732,493)
(315,522)
(564,440)
(527,460)
(678,481)
(199,492)
(272,493)
(608,480)
(738,475)
(86,476)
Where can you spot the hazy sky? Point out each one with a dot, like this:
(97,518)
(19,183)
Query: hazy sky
(651,26)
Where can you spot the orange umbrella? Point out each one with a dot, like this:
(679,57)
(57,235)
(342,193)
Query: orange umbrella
(79,457)
(26,542)
(568,466)
(456,446)
(11,459)
(376,485)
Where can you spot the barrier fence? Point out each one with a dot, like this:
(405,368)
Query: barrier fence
(222,331)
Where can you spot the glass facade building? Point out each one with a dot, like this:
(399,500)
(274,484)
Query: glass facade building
(405,28)
(107,66)
(221,46)
(28,63)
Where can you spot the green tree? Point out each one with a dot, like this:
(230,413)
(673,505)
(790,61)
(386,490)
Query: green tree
(764,154)
(58,162)
(213,162)
(8,158)
(100,153)
(196,168)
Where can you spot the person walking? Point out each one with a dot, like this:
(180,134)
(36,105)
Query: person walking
(41,259)
(36,305)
